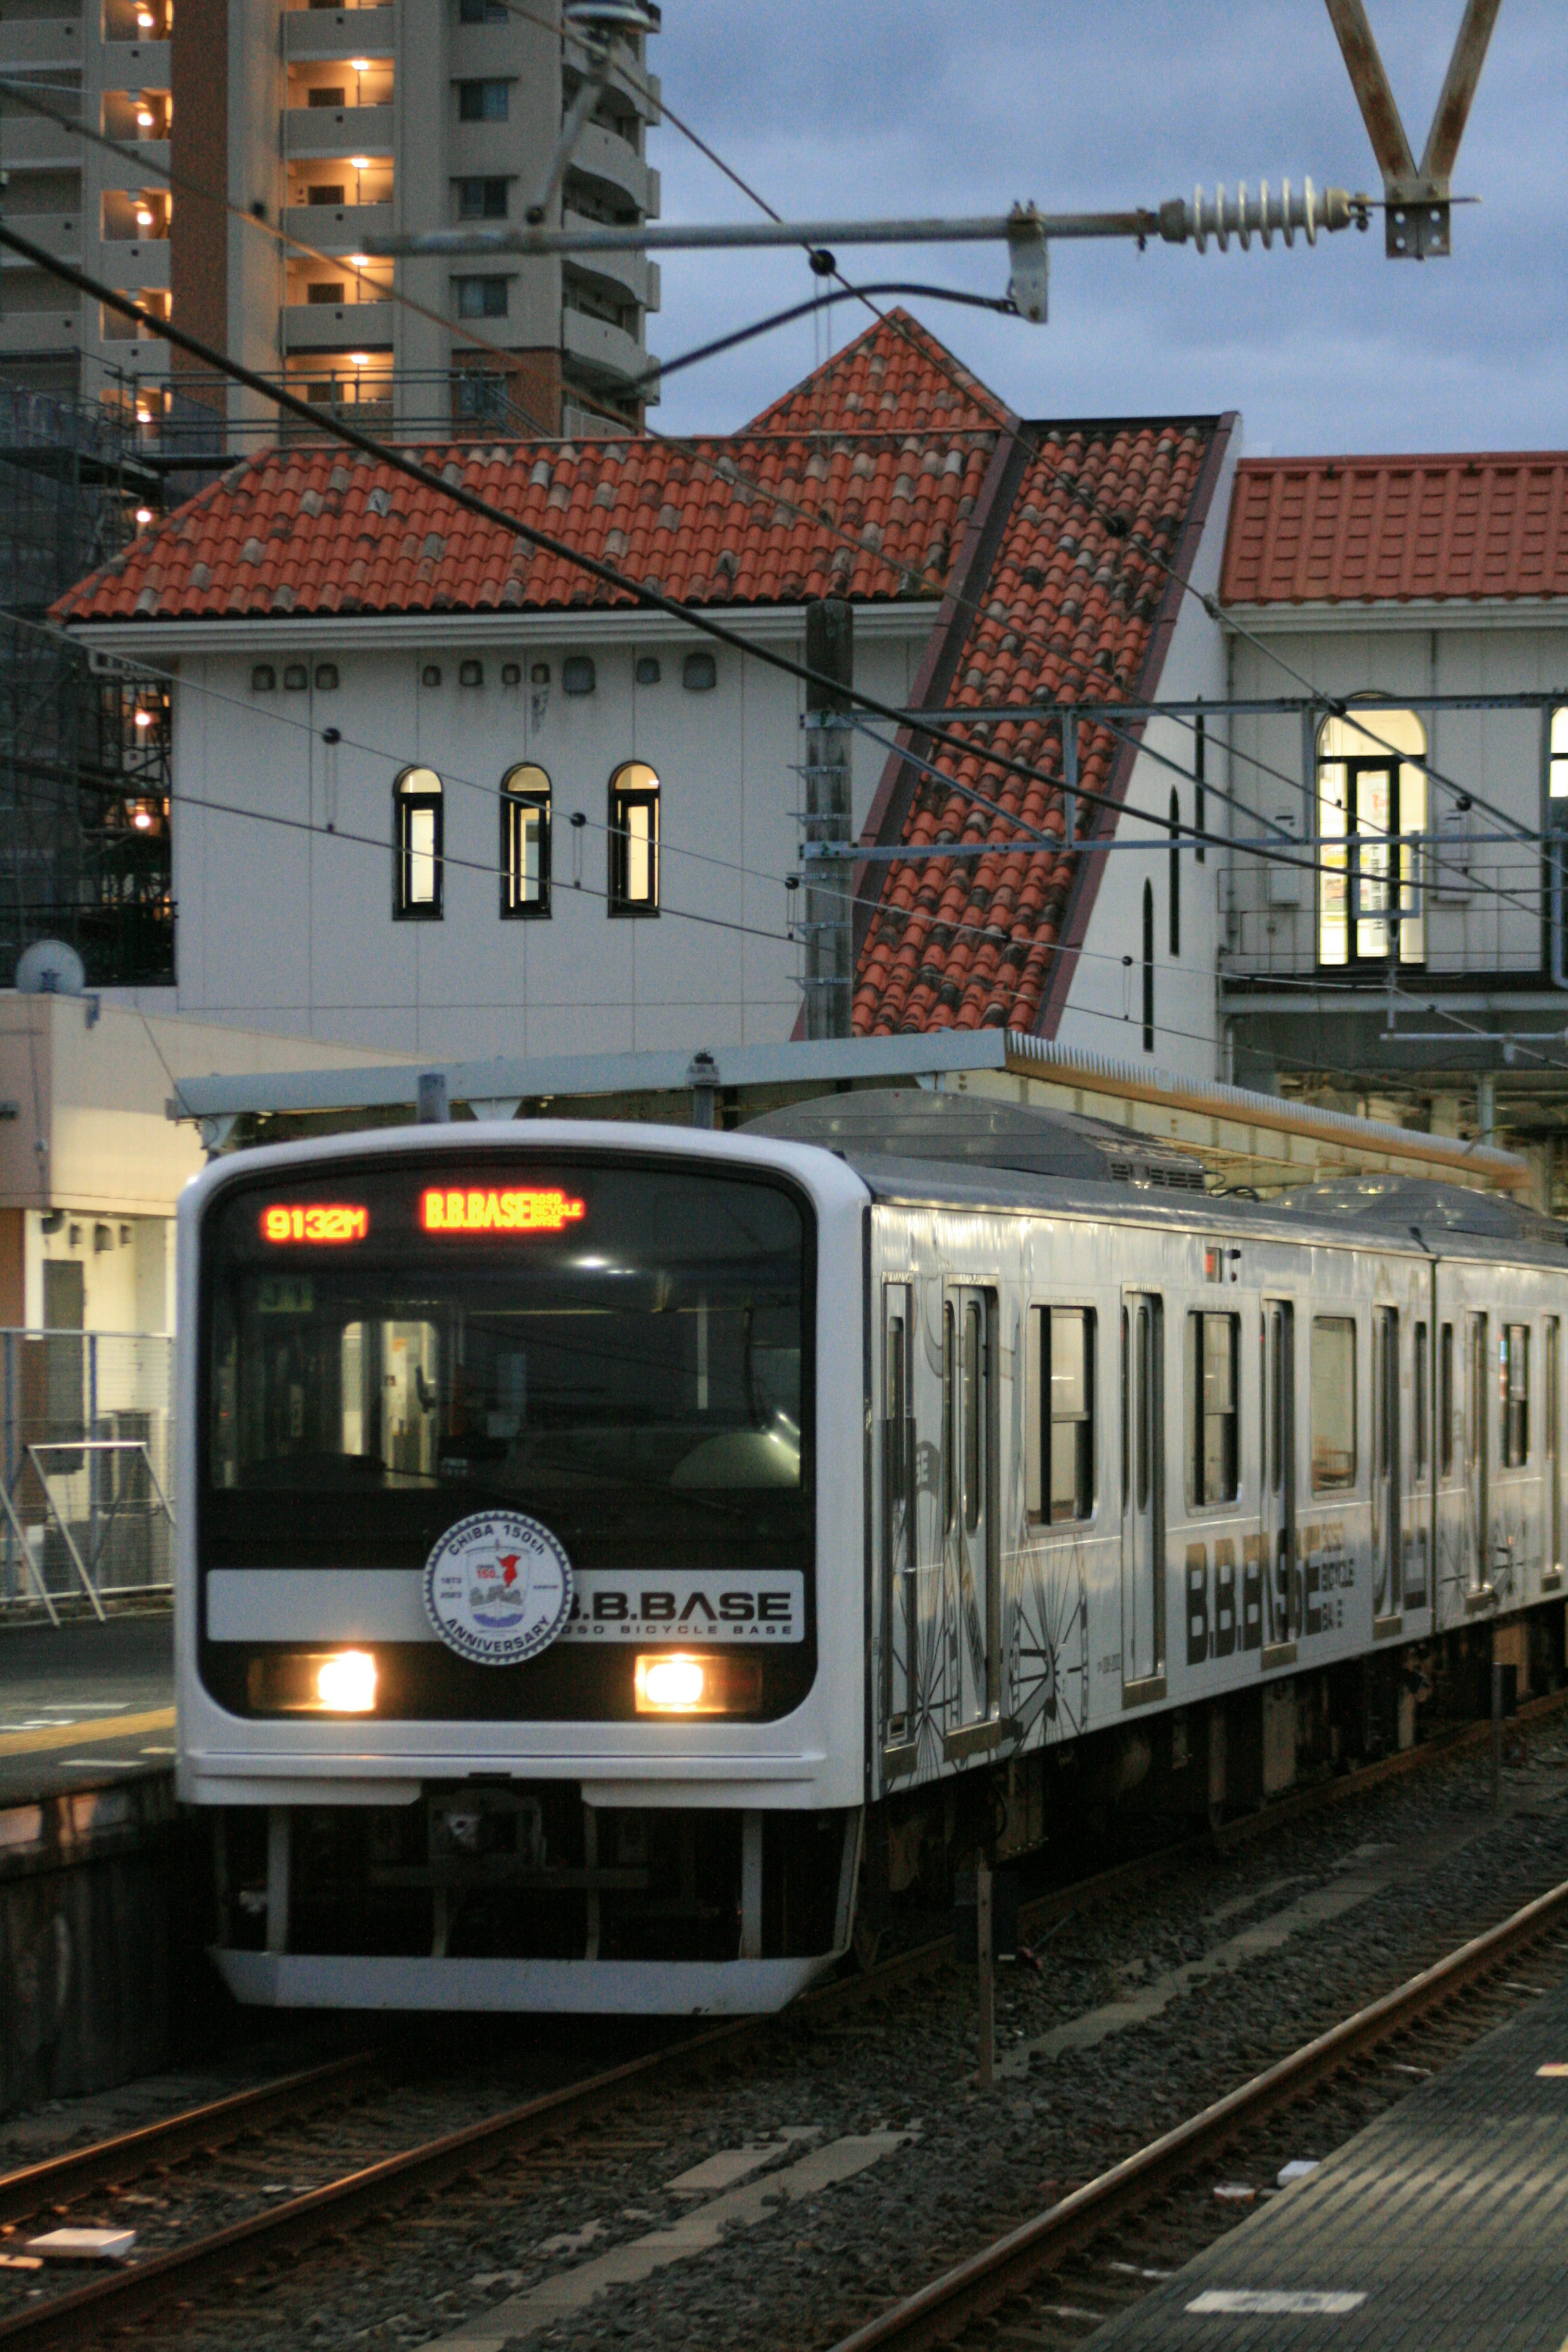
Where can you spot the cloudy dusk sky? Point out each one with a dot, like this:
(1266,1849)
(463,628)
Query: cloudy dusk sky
(898,107)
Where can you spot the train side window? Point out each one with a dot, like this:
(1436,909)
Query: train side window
(1514,1382)
(1420,1454)
(949,1419)
(1213,1420)
(974,1449)
(1446,1400)
(1126,1433)
(1333,1402)
(1063,1349)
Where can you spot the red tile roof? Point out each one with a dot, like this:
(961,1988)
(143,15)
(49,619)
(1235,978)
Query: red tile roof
(889,472)
(853,506)
(1067,611)
(895,377)
(1333,530)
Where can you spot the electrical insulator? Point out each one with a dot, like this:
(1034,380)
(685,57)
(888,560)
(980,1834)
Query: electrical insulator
(1244,217)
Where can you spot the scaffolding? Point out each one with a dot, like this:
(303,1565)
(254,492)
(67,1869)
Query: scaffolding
(84,747)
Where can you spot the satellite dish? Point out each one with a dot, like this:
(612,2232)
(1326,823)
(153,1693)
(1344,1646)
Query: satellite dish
(51,968)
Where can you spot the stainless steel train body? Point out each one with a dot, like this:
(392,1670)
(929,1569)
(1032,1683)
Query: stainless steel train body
(938,1474)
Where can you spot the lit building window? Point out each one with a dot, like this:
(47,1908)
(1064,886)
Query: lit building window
(1372,798)
(634,840)
(525,841)
(1557,760)
(417,862)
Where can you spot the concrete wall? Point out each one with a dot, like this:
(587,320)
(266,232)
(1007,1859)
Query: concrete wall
(290,925)
(88,1934)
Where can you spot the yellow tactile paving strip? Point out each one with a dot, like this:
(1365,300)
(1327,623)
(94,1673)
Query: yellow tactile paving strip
(85,1733)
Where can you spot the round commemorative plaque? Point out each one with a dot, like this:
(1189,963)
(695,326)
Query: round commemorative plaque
(498,1588)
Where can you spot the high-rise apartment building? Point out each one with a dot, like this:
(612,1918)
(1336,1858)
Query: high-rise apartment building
(331,123)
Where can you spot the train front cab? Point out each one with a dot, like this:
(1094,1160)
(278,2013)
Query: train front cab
(646,1350)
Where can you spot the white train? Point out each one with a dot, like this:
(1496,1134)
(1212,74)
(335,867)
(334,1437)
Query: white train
(617,1561)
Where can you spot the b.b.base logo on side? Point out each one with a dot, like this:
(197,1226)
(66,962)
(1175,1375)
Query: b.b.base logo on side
(498,1588)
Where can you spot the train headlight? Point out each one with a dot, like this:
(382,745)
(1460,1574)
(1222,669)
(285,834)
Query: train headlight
(673,1682)
(346,1685)
(312,1682)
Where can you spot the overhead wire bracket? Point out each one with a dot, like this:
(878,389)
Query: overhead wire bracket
(1416,196)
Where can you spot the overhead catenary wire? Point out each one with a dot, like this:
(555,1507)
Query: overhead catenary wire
(1086,796)
(26,91)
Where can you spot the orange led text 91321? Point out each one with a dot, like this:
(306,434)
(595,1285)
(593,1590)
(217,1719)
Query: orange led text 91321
(323,1220)
(493,1211)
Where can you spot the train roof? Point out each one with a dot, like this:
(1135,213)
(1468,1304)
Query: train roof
(911,1146)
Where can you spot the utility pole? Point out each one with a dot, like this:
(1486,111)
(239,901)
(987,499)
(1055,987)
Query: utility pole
(828,926)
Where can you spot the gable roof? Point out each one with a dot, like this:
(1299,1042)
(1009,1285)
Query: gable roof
(890,473)
(1101,519)
(894,378)
(1346,529)
(869,508)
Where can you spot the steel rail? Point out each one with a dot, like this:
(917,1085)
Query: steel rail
(79,2316)
(193,2132)
(974,2287)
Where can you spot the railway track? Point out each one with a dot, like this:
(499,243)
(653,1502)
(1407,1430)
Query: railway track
(46,2193)
(1023,2287)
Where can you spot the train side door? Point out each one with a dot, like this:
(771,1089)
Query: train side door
(1279,1528)
(1143,1493)
(1419,1453)
(968,1482)
(1387,1569)
(1477,1450)
(900,1597)
(1552,1451)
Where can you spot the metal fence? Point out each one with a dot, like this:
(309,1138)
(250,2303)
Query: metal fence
(86,1423)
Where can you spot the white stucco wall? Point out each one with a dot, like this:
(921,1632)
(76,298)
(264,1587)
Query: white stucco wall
(283,868)
(1486,921)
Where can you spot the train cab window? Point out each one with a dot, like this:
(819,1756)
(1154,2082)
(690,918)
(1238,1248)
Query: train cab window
(1061,1483)
(1446,1400)
(1420,1445)
(1333,1403)
(1514,1376)
(1214,1420)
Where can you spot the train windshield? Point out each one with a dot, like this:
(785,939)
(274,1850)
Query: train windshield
(620,1349)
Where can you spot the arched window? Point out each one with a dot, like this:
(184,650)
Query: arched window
(1174,894)
(1372,787)
(525,841)
(634,840)
(417,846)
(1147,967)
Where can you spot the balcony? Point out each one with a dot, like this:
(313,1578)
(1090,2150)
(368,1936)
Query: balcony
(33,144)
(136,64)
(46,41)
(26,333)
(342,327)
(625,277)
(601,350)
(338,227)
(128,267)
(336,33)
(338,130)
(601,156)
(57,233)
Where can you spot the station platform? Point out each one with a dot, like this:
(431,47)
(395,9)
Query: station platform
(84,1703)
(1438,2226)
